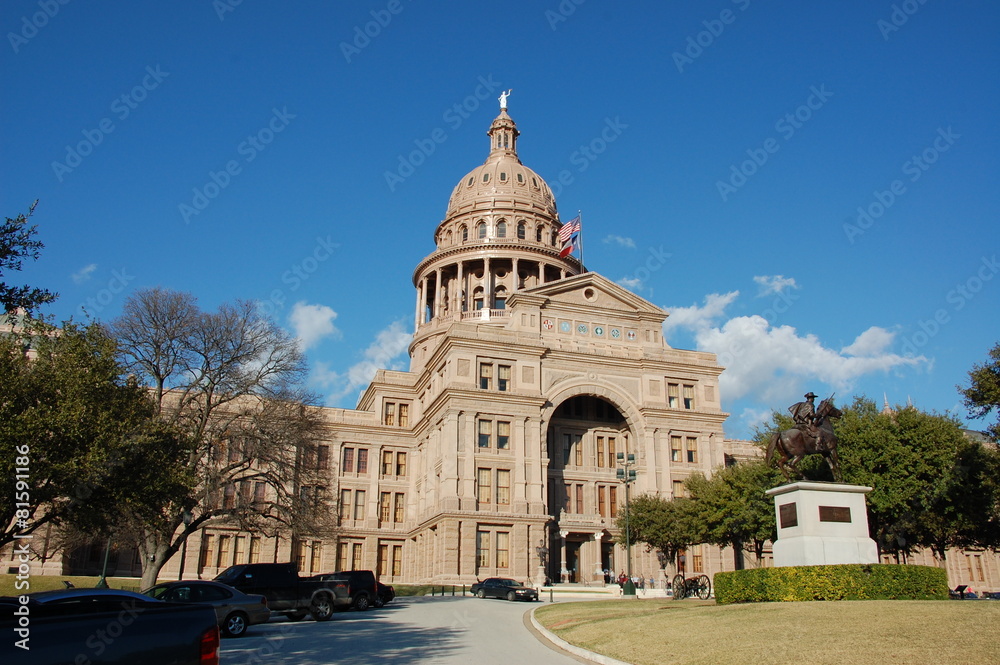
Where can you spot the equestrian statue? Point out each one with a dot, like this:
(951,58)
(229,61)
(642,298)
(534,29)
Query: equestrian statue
(812,435)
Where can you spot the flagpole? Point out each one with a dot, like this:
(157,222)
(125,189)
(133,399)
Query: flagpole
(579,215)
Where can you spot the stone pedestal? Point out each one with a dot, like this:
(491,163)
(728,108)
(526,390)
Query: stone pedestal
(822,524)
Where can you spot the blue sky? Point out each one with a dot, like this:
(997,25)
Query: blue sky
(809,188)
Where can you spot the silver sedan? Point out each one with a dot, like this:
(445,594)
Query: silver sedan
(235,610)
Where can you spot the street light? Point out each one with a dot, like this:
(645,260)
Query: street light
(626,475)
(186,518)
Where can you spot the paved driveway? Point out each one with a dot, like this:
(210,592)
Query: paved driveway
(408,630)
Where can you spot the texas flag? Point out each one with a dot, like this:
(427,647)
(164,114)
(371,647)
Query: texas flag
(569,236)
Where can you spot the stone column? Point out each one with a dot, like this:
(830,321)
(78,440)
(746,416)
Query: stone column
(563,573)
(541,272)
(487,288)
(460,295)
(516,276)
(436,313)
(416,313)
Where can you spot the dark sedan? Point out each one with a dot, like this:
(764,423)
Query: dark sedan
(502,587)
(236,611)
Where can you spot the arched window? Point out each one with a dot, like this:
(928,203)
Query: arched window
(500,298)
(520,230)
(465,232)
(555,238)
(501,229)
(481,230)
(477,298)
(538,232)
(448,238)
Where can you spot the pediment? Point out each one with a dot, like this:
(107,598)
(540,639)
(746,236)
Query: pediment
(591,292)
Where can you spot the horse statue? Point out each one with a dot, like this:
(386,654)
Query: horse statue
(792,445)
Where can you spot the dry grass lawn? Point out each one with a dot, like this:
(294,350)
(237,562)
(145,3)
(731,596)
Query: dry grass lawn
(660,632)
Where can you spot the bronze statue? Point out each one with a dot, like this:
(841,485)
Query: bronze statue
(812,435)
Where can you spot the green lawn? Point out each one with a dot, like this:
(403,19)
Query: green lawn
(660,631)
(48,582)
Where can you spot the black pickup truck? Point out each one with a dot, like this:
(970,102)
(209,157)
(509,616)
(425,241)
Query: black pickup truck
(106,626)
(286,592)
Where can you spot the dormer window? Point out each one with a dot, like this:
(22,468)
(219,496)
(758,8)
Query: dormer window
(472,179)
(503,176)
(486,177)
(520,178)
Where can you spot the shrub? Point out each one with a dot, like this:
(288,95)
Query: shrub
(840,582)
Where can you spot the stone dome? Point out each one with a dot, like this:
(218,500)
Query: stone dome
(502,175)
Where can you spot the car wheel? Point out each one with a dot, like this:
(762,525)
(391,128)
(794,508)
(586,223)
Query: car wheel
(235,625)
(361,603)
(511,596)
(322,608)
(481,593)
(296,616)
(378,602)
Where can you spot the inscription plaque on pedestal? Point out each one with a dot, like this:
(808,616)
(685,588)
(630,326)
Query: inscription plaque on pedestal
(789,516)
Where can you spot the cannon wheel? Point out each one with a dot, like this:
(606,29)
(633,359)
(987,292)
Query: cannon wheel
(704,587)
(678,587)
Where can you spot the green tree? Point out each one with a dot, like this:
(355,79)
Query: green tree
(733,508)
(982,397)
(17,243)
(664,525)
(74,432)
(229,381)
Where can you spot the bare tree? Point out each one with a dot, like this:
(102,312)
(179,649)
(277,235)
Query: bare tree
(229,381)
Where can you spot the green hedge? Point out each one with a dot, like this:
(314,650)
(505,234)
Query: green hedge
(841,582)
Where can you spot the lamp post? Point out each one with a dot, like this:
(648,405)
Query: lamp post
(186,517)
(626,475)
(103,582)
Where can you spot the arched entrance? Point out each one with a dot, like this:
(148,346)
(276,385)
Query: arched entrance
(584,437)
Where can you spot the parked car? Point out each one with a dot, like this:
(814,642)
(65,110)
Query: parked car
(285,591)
(502,587)
(236,611)
(109,626)
(362,587)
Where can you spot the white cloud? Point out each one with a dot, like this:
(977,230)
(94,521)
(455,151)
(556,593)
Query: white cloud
(383,353)
(773,363)
(312,323)
(630,283)
(619,240)
(774,284)
(84,273)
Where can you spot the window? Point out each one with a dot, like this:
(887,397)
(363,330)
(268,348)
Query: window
(316,562)
(229,496)
(579,499)
(404,415)
(259,493)
(503,435)
(568,498)
(390,414)
(611,452)
(502,225)
(382,565)
(397,560)
(484,490)
(503,377)
(465,231)
(696,559)
(486,177)
(675,449)
(345,503)
(688,397)
(500,298)
(673,395)
(567,448)
(323,457)
(224,542)
(692,449)
(678,487)
(483,548)
(254,550)
(477,298)
(503,549)
(503,174)
(359,504)
(613,500)
(207,552)
(485,376)
(485,433)
(538,234)
(342,556)
(481,228)
(602,506)
(600,451)
(356,557)
(362,460)
(400,464)
(384,507)
(348,465)
(503,487)
(578,448)
(399,508)
(386,462)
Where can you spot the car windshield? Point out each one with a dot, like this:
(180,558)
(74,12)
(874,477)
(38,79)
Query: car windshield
(229,574)
(157,591)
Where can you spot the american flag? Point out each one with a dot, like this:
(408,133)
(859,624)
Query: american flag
(569,228)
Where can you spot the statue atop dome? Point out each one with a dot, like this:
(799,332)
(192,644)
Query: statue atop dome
(503,98)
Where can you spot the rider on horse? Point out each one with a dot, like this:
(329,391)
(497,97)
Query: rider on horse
(806,420)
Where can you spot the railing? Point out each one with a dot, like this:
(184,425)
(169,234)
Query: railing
(486,315)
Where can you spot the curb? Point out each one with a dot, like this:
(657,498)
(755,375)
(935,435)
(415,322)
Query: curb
(566,646)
